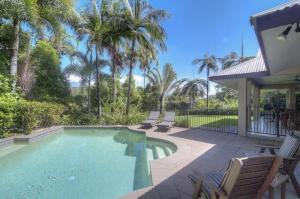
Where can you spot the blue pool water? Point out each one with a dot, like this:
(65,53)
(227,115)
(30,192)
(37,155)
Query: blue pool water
(79,163)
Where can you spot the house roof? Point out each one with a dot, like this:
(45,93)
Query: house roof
(252,68)
(278,16)
(279,8)
(282,15)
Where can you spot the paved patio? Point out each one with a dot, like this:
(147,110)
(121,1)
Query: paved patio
(198,151)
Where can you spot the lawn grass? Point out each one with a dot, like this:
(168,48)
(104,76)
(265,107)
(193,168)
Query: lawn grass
(214,121)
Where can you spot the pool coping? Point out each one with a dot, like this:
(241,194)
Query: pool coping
(158,168)
(163,168)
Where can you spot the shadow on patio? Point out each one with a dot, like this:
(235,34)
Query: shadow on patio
(208,151)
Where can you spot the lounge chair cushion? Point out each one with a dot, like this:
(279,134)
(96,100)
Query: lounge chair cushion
(154,115)
(169,116)
(149,122)
(165,124)
(288,147)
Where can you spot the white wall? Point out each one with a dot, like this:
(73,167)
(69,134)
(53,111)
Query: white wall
(242,106)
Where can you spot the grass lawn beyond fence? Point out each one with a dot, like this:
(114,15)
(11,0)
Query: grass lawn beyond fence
(209,121)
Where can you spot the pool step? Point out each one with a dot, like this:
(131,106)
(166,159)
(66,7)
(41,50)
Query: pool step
(157,152)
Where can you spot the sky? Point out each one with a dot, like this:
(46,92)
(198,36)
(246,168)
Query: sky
(197,27)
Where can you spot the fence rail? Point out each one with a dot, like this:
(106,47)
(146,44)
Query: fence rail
(269,121)
(216,119)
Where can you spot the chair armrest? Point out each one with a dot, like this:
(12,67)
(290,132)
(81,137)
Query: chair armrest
(200,180)
(268,146)
(293,158)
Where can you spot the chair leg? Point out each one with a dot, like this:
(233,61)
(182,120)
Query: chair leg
(271,192)
(294,182)
(283,190)
(262,150)
(197,189)
(272,151)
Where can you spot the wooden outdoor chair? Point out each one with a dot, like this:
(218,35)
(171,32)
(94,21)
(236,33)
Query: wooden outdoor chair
(245,178)
(290,152)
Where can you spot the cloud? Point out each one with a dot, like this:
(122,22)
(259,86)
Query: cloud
(139,80)
(225,40)
(74,79)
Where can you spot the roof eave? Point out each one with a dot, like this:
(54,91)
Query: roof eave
(239,76)
(281,17)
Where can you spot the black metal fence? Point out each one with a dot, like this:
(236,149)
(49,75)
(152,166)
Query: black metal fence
(269,121)
(212,119)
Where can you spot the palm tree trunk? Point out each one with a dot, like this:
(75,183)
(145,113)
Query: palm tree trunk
(97,85)
(89,94)
(113,76)
(15,51)
(130,77)
(207,87)
(161,102)
(144,79)
(89,84)
(25,73)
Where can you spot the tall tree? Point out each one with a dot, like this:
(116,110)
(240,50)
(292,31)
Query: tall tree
(145,33)
(208,63)
(94,28)
(233,59)
(84,68)
(116,66)
(163,82)
(43,16)
(50,82)
(193,88)
(146,57)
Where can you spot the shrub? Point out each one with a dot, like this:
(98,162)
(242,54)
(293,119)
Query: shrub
(25,117)
(7,109)
(21,116)
(80,119)
(118,117)
(48,114)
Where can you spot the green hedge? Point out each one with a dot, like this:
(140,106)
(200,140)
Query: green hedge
(21,116)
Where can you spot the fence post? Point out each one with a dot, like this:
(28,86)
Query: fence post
(187,117)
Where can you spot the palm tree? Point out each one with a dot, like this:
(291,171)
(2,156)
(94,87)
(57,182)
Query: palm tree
(233,59)
(115,14)
(84,69)
(163,82)
(193,88)
(94,28)
(116,66)
(37,15)
(145,33)
(210,64)
(145,60)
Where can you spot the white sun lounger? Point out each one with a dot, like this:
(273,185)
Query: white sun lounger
(151,121)
(168,121)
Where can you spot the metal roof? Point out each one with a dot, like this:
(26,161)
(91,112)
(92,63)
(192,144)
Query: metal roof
(281,7)
(252,68)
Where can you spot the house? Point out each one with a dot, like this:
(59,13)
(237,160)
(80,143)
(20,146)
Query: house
(275,68)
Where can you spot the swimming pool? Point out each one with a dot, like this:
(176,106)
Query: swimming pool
(90,163)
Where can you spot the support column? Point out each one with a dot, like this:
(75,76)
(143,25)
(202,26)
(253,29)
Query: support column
(242,106)
(249,93)
(255,103)
(291,101)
